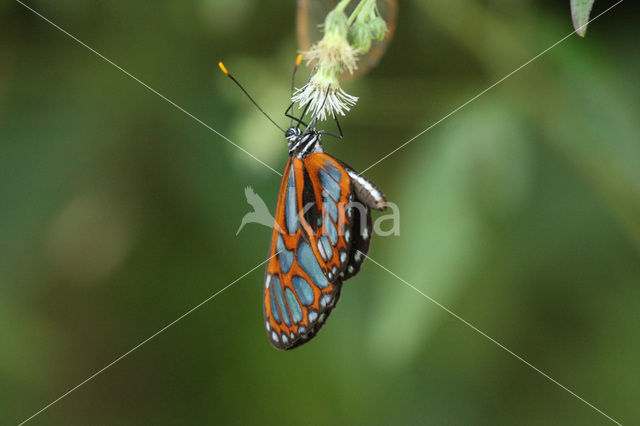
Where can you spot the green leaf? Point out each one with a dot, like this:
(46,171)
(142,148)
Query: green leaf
(580,11)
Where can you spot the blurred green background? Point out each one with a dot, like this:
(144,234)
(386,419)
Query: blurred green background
(521,213)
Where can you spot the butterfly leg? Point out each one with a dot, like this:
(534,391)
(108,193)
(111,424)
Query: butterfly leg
(338,124)
(340,136)
(294,118)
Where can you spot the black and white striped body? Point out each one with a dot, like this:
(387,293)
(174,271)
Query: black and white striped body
(302,144)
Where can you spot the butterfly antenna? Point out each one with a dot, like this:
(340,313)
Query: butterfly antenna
(293,76)
(293,79)
(224,70)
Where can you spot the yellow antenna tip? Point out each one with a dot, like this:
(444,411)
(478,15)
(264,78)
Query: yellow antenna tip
(223,68)
(298,60)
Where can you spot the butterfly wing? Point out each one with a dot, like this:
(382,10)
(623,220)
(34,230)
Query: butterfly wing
(361,238)
(367,196)
(332,224)
(309,247)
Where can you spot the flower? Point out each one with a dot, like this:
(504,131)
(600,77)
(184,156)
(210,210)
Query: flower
(344,39)
(335,55)
(324,95)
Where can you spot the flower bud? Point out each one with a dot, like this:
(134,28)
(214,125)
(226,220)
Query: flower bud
(378,28)
(335,24)
(360,36)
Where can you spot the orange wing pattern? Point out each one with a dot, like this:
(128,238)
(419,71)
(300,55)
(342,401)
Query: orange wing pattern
(312,238)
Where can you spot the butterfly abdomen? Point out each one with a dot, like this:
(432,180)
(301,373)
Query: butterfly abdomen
(366,191)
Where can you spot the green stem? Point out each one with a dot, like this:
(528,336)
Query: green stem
(342,5)
(356,11)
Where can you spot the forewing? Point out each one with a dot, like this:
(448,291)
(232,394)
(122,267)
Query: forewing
(301,285)
(332,230)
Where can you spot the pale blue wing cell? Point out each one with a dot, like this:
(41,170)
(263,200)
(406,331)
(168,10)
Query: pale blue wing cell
(277,288)
(330,206)
(274,308)
(324,241)
(323,253)
(335,173)
(286,256)
(291,204)
(330,229)
(294,306)
(305,293)
(330,185)
(310,265)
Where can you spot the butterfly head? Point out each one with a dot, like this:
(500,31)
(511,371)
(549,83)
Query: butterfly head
(302,143)
(292,134)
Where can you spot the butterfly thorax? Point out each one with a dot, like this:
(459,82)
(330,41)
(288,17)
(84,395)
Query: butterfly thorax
(302,143)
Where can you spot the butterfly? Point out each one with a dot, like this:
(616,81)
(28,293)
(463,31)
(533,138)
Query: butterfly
(321,234)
